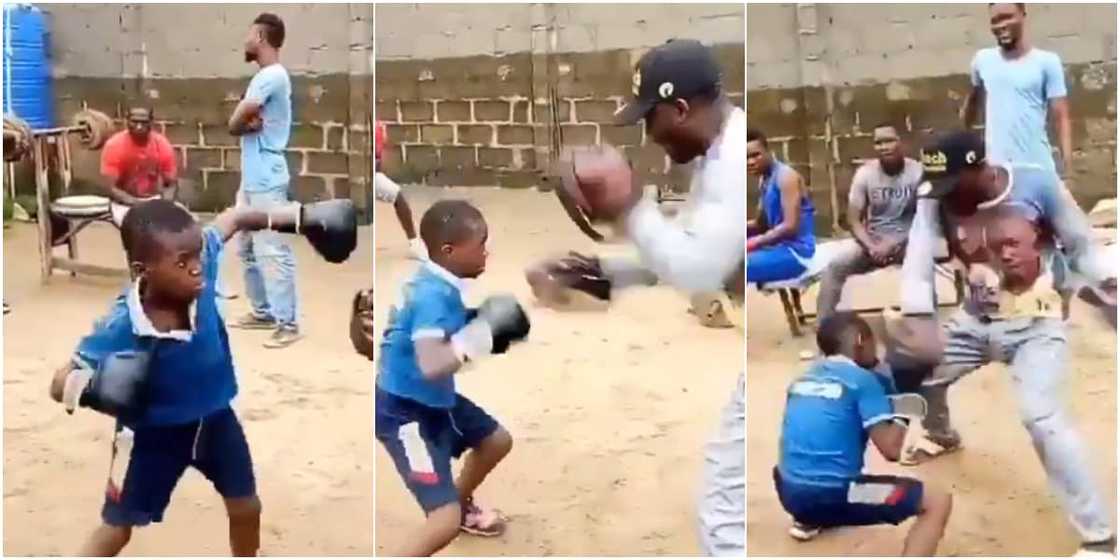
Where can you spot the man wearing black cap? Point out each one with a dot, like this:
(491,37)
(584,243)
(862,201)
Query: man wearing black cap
(997,219)
(678,93)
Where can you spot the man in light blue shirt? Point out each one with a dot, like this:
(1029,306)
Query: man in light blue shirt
(1018,85)
(263,121)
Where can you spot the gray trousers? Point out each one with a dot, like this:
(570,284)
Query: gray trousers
(850,260)
(722,511)
(1038,352)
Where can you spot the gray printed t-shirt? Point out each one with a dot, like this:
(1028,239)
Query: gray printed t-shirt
(888,201)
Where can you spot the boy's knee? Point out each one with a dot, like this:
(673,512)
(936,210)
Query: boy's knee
(937,501)
(500,442)
(243,509)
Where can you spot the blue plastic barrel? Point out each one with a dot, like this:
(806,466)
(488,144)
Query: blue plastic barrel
(27,71)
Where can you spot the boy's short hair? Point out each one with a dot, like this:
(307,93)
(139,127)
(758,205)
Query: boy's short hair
(449,222)
(145,220)
(835,331)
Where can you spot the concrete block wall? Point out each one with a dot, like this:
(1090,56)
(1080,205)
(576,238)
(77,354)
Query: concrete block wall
(112,56)
(486,101)
(819,77)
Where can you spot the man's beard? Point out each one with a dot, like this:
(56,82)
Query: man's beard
(250,56)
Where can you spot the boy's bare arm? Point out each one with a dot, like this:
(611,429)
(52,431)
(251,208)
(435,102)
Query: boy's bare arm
(888,438)
(436,358)
(58,381)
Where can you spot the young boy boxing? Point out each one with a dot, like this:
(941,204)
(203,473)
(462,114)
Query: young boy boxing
(160,363)
(831,412)
(420,418)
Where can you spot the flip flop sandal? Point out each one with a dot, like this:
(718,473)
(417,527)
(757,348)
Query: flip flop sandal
(925,449)
(482,522)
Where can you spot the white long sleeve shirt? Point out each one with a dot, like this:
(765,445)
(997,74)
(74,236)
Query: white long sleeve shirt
(701,248)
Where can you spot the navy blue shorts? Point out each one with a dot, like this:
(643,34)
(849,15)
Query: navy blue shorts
(423,439)
(867,500)
(215,445)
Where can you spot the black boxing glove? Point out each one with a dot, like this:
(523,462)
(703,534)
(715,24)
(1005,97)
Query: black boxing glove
(497,323)
(330,226)
(117,388)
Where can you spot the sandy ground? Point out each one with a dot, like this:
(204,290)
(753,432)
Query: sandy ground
(1003,505)
(306,411)
(609,410)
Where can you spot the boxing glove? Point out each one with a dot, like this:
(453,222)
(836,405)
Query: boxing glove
(330,226)
(497,323)
(116,388)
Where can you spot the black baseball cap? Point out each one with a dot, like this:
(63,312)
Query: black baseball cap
(677,69)
(944,159)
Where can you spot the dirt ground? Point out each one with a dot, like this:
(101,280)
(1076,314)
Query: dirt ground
(306,411)
(1002,506)
(609,410)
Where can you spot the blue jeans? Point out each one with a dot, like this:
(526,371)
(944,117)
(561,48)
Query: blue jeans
(270,265)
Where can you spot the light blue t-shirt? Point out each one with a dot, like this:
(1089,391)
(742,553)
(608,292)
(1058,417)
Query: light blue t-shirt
(829,413)
(432,308)
(263,165)
(1018,95)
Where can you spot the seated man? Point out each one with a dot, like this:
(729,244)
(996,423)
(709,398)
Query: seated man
(780,242)
(880,209)
(138,165)
(831,412)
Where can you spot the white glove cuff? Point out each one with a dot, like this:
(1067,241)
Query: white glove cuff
(473,341)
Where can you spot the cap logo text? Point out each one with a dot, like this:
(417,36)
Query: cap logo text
(934,162)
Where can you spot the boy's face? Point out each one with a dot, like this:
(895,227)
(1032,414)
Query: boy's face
(1016,242)
(174,273)
(467,259)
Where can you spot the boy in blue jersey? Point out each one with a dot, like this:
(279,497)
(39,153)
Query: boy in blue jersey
(831,412)
(160,363)
(420,418)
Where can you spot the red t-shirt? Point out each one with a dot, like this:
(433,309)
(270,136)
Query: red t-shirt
(380,139)
(141,166)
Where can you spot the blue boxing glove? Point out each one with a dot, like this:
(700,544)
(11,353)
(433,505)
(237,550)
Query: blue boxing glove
(117,388)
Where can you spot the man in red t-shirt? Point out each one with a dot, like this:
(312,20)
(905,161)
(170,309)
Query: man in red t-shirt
(138,164)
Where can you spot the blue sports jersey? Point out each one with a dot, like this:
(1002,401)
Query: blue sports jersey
(433,308)
(829,411)
(191,372)
(804,242)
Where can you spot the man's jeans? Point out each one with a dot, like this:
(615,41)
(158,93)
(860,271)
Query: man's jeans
(270,265)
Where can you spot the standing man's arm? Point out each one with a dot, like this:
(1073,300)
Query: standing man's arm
(1059,111)
(790,187)
(970,111)
(1054,88)
(703,256)
(918,273)
(246,118)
